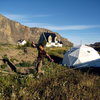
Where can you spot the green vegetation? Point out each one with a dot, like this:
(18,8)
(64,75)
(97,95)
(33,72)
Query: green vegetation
(57,83)
(24,64)
(13,59)
(28,44)
(59,52)
(3,66)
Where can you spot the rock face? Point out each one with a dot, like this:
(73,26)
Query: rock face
(96,46)
(11,31)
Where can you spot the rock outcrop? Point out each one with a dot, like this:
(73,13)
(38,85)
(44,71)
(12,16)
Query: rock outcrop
(96,46)
(11,31)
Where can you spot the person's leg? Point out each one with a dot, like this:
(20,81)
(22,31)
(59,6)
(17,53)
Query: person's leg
(38,64)
(40,67)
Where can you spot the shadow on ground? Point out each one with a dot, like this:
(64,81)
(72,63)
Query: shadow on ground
(57,59)
(89,70)
(19,70)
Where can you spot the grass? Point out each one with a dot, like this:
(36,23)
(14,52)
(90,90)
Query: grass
(3,66)
(59,52)
(24,64)
(58,83)
(28,44)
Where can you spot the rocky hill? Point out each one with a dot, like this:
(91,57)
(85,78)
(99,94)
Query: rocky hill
(96,46)
(11,31)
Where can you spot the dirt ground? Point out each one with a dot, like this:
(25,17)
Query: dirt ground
(17,55)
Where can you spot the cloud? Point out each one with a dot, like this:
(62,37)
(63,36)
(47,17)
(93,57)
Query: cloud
(61,28)
(24,17)
(14,16)
(73,27)
(42,25)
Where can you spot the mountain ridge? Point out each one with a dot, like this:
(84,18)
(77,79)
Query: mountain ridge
(11,31)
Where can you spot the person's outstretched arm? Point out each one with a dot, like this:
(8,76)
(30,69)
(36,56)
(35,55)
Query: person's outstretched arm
(49,57)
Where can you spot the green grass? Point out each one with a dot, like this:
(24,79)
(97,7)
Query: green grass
(57,83)
(28,44)
(24,64)
(59,52)
(3,66)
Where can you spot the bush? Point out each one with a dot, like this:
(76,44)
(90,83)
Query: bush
(13,59)
(3,66)
(24,64)
(28,44)
(59,52)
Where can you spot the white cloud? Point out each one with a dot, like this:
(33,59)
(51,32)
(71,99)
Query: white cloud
(25,19)
(67,27)
(73,27)
(42,25)
(20,17)
(14,16)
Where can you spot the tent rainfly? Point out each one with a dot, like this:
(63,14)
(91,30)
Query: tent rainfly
(81,56)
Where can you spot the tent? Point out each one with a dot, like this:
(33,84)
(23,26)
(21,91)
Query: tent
(81,56)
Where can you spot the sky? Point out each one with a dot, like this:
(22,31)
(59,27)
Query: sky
(76,20)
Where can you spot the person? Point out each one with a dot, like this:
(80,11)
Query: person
(41,55)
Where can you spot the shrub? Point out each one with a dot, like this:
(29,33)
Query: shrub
(3,66)
(13,59)
(28,44)
(24,64)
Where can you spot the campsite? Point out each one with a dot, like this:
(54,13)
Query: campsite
(49,49)
(58,83)
(74,74)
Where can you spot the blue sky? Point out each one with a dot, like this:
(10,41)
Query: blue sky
(77,20)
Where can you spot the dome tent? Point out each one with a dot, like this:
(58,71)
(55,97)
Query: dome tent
(81,56)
